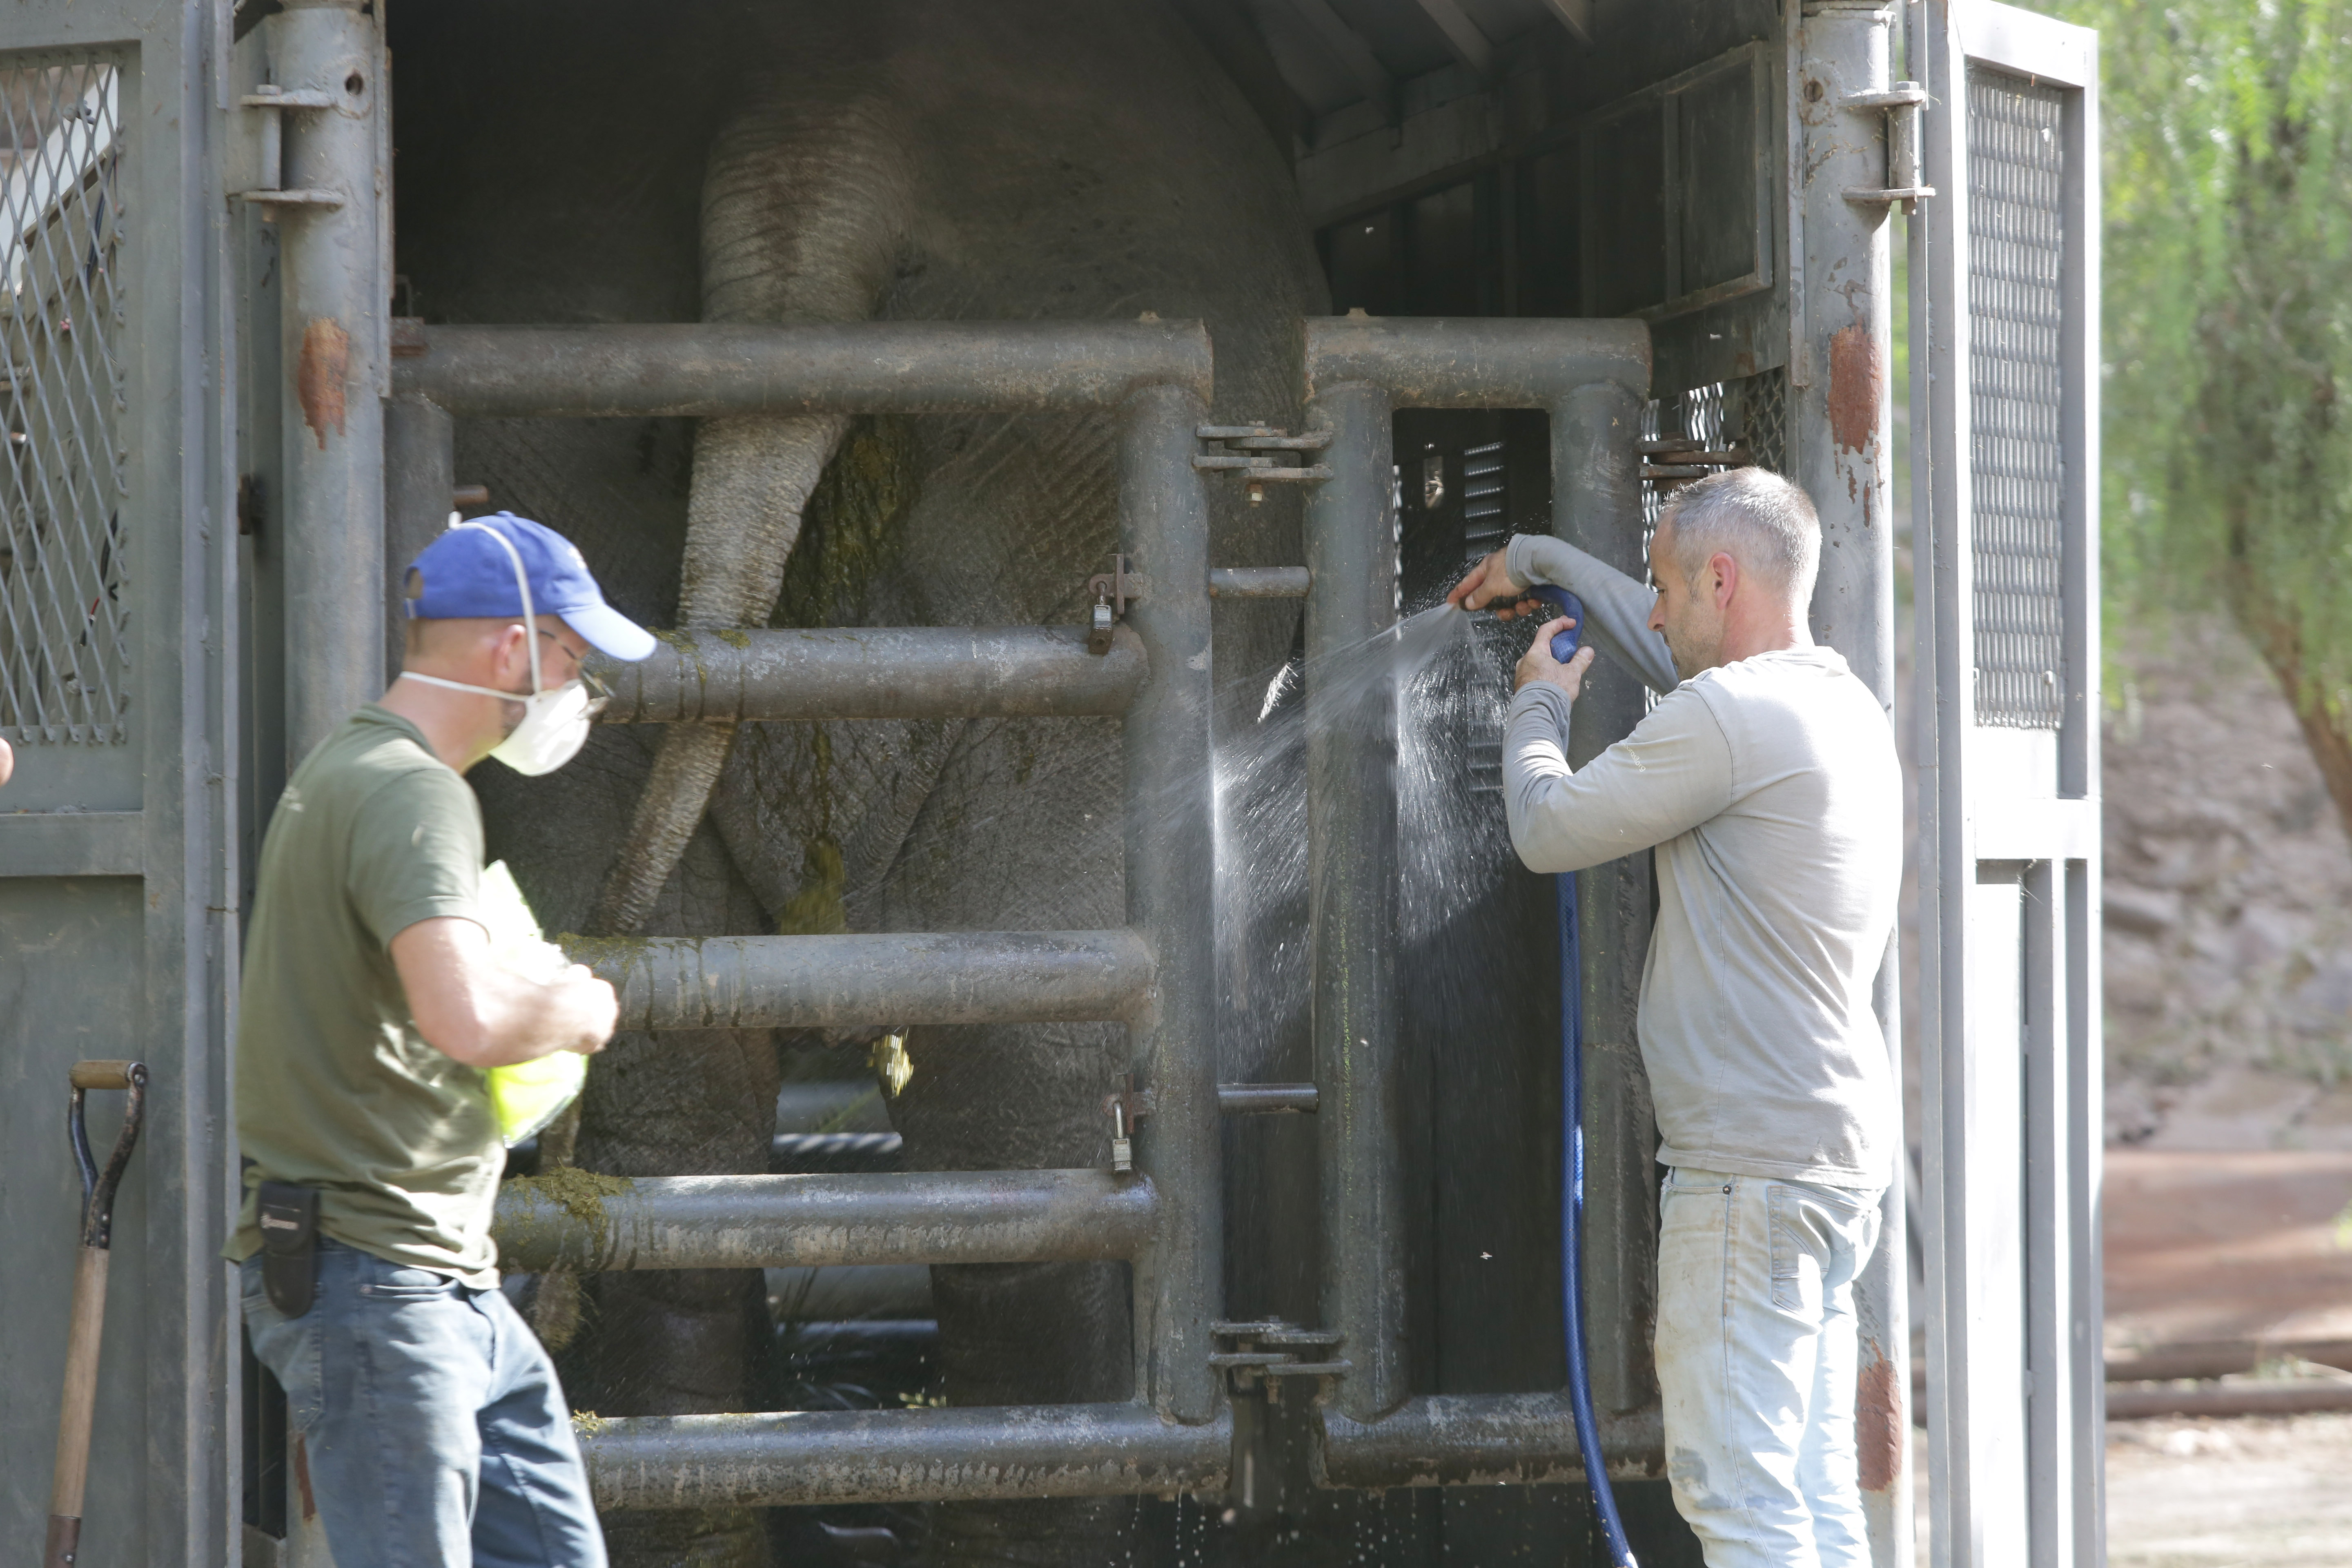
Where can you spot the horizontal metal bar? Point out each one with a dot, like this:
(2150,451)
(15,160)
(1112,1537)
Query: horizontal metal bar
(884,672)
(329,200)
(1432,362)
(795,1457)
(1257,581)
(1482,1439)
(825,982)
(709,368)
(2279,1396)
(72,843)
(1262,1098)
(590,1225)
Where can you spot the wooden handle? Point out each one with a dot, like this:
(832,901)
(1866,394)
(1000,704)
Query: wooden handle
(81,1387)
(101,1074)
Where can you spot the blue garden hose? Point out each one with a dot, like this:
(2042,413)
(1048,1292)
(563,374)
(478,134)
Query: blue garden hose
(1571,1147)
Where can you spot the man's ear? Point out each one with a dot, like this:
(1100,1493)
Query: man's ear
(1726,577)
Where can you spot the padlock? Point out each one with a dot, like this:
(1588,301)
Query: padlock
(1122,1155)
(1098,629)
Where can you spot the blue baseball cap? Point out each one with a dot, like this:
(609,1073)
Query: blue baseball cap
(468,573)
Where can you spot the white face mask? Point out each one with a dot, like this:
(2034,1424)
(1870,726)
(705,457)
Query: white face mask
(554,722)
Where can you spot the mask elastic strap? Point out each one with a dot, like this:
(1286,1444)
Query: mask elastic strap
(522,582)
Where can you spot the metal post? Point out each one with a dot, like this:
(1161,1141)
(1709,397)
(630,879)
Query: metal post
(1843,413)
(334,320)
(1170,870)
(1351,833)
(420,479)
(1597,505)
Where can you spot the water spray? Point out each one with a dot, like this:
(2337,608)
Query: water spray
(1571,1146)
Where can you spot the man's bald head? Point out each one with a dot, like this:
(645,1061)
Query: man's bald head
(1756,518)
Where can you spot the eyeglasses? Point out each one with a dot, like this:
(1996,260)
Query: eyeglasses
(599,694)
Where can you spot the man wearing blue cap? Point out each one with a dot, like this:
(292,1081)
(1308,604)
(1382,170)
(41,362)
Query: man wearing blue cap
(430,1423)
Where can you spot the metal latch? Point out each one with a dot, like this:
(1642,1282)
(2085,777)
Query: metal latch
(1128,1105)
(1112,592)
(1902,104)
(1250,450)
(1261,1355)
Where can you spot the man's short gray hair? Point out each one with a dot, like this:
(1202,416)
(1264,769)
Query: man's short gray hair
(1756,518)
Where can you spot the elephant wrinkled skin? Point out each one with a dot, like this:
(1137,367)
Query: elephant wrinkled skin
(906,159)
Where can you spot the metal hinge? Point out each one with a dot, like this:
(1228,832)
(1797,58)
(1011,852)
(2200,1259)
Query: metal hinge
(1249,451)
(1263,1353)
(1901,104)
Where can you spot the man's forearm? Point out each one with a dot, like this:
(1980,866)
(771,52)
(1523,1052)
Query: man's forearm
(1616,606)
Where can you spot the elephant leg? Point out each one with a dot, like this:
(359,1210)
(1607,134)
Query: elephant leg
(807,201)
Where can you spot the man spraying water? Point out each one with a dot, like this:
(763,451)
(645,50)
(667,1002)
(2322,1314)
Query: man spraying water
(1766,780)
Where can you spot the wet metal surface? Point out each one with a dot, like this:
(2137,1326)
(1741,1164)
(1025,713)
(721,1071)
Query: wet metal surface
(841,1456)
(809,1222)
(1484,1439)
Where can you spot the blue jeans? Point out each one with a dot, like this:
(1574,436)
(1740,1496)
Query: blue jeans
(434,1427)
(1756,1362)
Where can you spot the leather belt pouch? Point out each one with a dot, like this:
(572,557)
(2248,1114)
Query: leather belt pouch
(289,1218)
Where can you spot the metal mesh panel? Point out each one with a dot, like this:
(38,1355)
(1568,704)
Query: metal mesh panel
(64,644)
(1751,411)
(2017,165)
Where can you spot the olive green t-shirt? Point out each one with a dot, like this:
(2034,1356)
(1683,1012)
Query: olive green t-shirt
(335,1088)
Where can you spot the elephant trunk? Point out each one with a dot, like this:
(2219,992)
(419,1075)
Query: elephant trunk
(806,206)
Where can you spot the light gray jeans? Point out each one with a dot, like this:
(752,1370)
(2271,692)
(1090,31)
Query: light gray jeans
(1756,1363)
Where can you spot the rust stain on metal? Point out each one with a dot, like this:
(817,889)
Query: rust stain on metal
(302,1479)
(1857,383)
(318,376)
(1879,1428)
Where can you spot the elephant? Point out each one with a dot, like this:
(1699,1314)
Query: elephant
(800,160)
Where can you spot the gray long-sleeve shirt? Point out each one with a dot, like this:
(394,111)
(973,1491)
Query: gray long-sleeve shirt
(1771,791)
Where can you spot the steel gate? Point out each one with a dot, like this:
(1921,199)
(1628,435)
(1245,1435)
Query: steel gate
(2005,312)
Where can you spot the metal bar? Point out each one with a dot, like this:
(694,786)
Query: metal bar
(332,321)
(1843,420)
(1482,1439)
(816,981)
(1267,1098)
(2050,1244)
(1351,835)
(709,368)
(1257,581)
(420,479)
(807,1222)
(1480,363)
(1164,527)
(1596,504)
(1463,38)
(796,1458)
(887,672)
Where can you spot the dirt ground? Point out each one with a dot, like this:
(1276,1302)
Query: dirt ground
(2255,1493)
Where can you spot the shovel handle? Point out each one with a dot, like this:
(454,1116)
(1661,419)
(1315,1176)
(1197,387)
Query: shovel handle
(81,1400)
(98,1186)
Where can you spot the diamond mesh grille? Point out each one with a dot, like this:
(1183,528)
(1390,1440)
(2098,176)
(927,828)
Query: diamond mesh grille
(2016,166)
(1751,411)
(64,646)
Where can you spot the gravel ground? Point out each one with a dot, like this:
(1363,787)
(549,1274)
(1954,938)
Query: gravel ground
(2256,1490)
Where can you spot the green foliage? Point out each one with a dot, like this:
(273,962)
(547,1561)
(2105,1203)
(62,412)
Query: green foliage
(2228,287)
